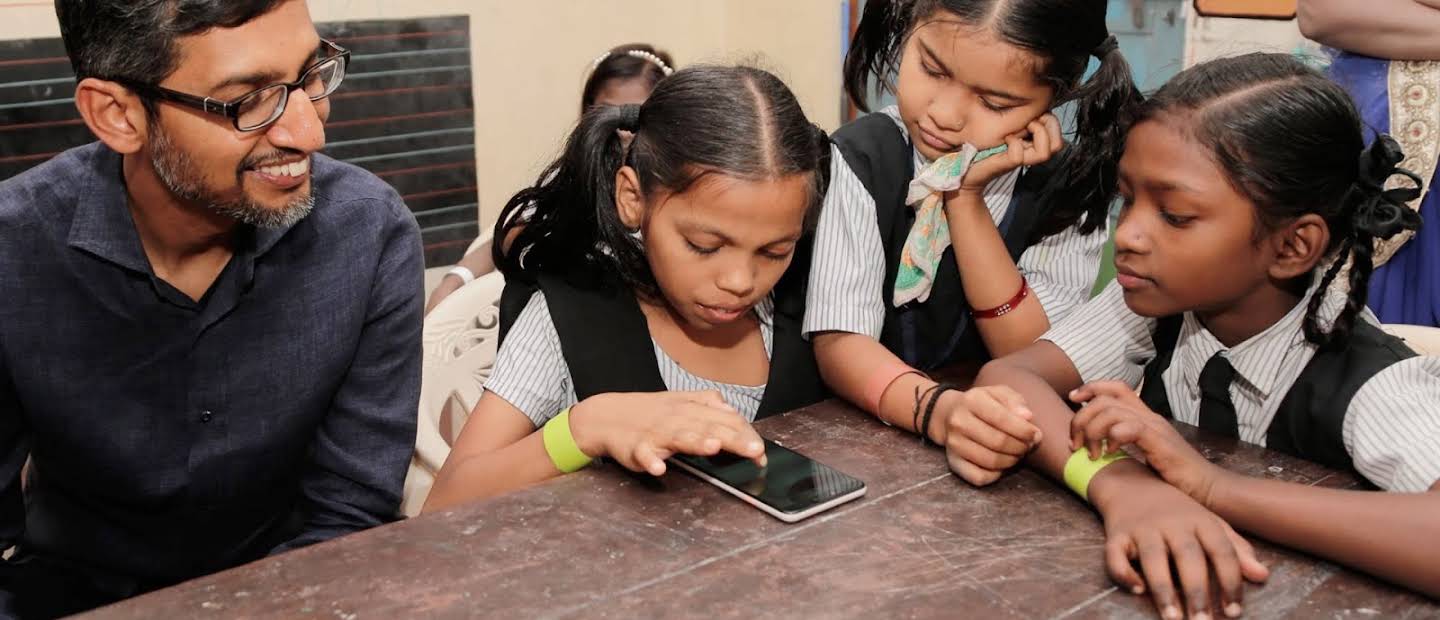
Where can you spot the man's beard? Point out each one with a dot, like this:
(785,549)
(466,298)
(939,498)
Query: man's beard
(179,173)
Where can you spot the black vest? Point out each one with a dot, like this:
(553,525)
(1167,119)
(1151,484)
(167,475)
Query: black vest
(1310,420)
(607,344)
(936,332)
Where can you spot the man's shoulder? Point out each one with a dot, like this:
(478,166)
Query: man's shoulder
(349,191)
(49,191)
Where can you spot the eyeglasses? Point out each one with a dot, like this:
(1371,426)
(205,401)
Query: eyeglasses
(260,108)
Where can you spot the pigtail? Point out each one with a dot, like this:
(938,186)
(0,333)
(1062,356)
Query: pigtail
(1085,176)
(1374,213)
(822,151)
(558,224)
(875,49)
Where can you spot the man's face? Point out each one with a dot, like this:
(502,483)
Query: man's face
(259,177)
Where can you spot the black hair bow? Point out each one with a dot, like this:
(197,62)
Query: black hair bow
(1382,213)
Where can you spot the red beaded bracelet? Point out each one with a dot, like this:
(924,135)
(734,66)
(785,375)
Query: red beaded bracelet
(1007,307)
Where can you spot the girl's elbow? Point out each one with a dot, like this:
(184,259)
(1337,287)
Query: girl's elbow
(1317,19)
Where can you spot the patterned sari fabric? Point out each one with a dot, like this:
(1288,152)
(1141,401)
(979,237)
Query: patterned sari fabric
(1402,98)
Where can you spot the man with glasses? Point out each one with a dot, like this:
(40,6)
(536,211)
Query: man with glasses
(209,332)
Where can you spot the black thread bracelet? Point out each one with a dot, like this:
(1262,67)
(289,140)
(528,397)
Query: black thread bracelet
(939,390)
(920,398)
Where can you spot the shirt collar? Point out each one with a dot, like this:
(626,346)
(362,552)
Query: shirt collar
(102,224)
(1257,359)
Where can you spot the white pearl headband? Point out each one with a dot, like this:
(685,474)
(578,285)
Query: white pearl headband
(641,54)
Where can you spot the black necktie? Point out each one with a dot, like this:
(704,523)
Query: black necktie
(1217,412)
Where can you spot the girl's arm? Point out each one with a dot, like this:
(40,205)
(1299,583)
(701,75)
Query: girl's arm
(1146,519)
(478,262)
(988,274)
(1395,536)
(1393,435)
(1396,29)
(500,449)
(849,363)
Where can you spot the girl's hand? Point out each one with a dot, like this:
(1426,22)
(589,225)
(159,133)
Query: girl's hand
(1158,525)
(987,431)
(641,430)
(1114,416)
(1036,144)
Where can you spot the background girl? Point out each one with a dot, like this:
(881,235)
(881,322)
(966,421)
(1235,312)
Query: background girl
(624,75)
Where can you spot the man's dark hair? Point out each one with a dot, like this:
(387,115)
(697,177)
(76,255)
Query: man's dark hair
(134,40)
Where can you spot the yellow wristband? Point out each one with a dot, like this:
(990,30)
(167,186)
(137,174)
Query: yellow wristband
(1080,469)
(560,444)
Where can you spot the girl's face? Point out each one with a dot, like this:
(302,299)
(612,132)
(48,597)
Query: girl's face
(1187,239)
(619,92)
(958,84)
(719,247)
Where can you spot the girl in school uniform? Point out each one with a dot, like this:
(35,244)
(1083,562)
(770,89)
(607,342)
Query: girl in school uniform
(1243,253)
(623,75)
(652,329)
(923,261)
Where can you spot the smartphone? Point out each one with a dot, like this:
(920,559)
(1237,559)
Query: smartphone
(791,487)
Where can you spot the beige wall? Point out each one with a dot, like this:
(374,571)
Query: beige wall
(530,59)
(1214,37)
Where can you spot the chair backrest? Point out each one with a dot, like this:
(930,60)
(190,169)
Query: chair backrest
(1425,340)
(460,338)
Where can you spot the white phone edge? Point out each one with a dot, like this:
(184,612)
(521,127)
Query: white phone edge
(788,517)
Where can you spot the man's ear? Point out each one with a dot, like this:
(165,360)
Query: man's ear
(114,113)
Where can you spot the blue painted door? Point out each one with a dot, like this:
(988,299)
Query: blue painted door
(1152,38)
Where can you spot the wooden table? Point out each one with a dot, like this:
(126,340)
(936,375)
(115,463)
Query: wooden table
(921,544)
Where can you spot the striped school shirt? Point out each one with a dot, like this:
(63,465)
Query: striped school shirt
(1391,429)
(846,291)
(530,371)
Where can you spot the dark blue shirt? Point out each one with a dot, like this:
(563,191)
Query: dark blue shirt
(171,438)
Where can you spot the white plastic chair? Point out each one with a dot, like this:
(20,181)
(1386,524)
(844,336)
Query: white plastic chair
(1425,340)
(460,338)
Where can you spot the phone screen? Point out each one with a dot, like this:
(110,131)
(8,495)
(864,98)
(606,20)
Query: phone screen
(790,482)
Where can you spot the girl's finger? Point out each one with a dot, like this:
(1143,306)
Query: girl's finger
(971,473)
(1052,128)
(1250,565)
(1193,567)
(1155,564)
(999,417)
(1226,563)
(1100,430)
(1079,422)
(1119,551)
(1085,418)
(739,438)
(981,456)
(1010,398)
(1125,433)
(1040,138)
(689,441)
(644,455)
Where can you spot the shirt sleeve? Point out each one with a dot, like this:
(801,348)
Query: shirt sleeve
(1061,269)
(1392,428)
(530,371)
(848,267)
(1105,340)
(356,471)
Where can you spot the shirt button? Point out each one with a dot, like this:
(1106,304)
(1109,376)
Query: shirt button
(206,415)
